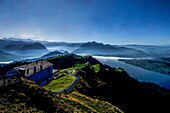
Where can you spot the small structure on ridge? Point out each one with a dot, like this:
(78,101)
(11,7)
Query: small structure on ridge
(40,71)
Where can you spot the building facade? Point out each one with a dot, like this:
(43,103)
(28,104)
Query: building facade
(40,71)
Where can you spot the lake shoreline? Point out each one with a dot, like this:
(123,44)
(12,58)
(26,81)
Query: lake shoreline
(139,73)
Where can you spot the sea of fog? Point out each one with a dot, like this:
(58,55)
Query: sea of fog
(59,48)
(6,62)
(137,72)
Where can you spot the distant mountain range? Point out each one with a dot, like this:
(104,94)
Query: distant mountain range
(54,53)
(152,50)
(12,50)
(33,46)
(22,46)
(94,48)
(19,39)
(13,46)
(46,43)
(4,56)
(4,53)
(26,49)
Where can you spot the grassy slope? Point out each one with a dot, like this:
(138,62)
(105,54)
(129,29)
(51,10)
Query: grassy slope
(60,83)
(29,97)
(26,96)
(96,67)
(115,86)
(91,105)
(79,102)
(125,92)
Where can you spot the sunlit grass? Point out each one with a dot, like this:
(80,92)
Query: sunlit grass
(79,66)
(61,82)
(118,70)
(96,67)
(93,105)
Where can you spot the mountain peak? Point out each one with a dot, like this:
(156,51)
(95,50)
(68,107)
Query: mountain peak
(34,46)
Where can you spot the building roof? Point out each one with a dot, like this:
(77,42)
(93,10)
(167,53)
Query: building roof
(28,69)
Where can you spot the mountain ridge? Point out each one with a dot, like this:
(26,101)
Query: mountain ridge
(33,46)
(94,48)
(102,82)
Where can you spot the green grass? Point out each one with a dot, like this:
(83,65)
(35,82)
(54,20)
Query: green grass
(89,104)
(28,97)
(96,67)
(61,82)
(78,66)
(118,70)
(25,97)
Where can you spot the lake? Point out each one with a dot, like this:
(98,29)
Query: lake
(137,72)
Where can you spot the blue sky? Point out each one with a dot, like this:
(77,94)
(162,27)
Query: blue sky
(107,21)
